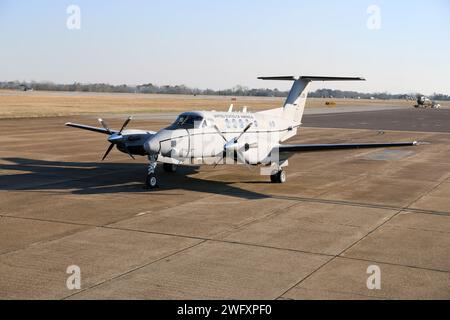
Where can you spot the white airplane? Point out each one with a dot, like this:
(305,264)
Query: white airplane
(213,138)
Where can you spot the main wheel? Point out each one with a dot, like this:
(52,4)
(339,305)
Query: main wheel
(151,182)
(273,178)
(170,167)
(279,177)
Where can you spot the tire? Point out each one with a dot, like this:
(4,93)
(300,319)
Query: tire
(169,167)
(151,182)
(273,178)
(279,177)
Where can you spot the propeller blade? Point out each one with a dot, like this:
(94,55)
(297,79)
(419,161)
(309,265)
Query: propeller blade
(243,132)
(125,124)
(108,151)
(242,160)
(220,133)
(224,154)
(103,123)
(218,162)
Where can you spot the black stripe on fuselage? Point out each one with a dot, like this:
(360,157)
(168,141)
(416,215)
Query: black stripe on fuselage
(232,132)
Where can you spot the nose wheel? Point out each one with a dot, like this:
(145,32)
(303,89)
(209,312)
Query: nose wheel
(151,182)
(279,177)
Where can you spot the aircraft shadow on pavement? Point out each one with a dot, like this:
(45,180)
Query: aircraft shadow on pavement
(106,178)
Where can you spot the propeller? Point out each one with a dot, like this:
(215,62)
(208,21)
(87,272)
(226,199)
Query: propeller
(220,133)
(111,146)
(115,138)
(243,132)
(233,145)
(103,123)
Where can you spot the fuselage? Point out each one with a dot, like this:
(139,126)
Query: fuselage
(194,136)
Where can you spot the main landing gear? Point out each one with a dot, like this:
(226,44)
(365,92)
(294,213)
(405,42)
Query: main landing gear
(277,174)
(278,177)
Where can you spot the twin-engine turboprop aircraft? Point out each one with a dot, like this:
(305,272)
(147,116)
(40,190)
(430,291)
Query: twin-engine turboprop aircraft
(214,138)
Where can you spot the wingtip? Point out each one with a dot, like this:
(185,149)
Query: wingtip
(421,143)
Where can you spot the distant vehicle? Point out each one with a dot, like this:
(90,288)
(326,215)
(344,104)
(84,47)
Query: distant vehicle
(24,87)
(424,102)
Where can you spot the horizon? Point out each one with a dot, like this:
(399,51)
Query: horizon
(223,44)
(313,90)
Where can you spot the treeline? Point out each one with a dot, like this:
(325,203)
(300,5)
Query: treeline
(182,89)
(328,93)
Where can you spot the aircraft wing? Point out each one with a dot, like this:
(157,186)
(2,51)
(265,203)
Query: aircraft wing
(89,128)
(292,148)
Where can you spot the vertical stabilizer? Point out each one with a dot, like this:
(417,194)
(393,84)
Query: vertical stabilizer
(294,106)
(296,101)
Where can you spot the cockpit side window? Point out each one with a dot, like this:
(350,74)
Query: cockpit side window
(186,121)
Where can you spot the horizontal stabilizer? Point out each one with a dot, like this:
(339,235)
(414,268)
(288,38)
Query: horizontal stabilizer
(279,78)
(316,78)
(312,78)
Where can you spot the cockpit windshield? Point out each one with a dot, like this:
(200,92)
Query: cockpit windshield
(187,121)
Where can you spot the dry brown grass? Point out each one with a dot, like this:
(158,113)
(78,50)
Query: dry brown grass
(15,104)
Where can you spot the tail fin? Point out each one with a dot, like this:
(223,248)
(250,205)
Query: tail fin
(294,105)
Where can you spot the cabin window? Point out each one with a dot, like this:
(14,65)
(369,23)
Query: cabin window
(241,123)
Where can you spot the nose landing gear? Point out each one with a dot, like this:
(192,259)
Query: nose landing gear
(152,181)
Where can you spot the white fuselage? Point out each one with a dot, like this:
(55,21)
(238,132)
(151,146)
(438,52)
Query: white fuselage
(200,140)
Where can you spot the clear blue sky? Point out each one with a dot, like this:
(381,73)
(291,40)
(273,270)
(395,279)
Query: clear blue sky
(218,44)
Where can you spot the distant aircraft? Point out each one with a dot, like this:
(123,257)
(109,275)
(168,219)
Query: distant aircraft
(424,102)
(213,138)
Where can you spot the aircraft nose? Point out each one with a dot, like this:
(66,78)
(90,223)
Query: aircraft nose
(152,146)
